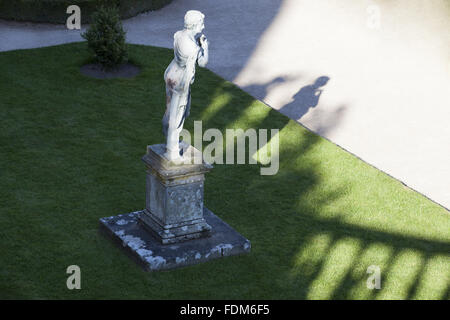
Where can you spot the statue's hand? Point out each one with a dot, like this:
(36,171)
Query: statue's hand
(203,42)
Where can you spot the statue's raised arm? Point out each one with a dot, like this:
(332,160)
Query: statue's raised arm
(190,47)
(203,52)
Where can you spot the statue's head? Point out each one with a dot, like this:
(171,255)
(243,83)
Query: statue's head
(194,20)
(321,81)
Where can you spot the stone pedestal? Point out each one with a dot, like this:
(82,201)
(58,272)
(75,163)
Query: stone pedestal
(174,195)
(174,229)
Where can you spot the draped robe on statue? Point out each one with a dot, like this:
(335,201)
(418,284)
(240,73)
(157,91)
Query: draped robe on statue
(178,77)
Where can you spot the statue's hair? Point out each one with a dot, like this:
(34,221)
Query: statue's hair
(192,18)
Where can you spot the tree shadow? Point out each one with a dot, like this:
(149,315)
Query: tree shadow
(278,208)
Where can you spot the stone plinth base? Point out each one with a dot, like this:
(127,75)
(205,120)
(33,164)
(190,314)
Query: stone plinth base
(174,195)
(128,230)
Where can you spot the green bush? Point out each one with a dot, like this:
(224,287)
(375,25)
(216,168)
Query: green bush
(106,38)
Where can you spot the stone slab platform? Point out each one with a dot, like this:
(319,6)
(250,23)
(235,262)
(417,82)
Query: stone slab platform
(127,230)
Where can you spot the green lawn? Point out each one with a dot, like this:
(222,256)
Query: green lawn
(70,154)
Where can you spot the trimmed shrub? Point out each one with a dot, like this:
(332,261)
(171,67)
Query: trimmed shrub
(106,38)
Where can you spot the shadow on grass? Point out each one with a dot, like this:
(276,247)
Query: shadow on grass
(278,220)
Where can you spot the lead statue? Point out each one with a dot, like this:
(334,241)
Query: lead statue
(190,46)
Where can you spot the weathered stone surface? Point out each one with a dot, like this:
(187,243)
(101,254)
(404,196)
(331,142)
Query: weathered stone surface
(190,164)
(128,230)
(175,229)
(190,46)
(174,195)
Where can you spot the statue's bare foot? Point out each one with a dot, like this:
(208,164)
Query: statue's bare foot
(174,157)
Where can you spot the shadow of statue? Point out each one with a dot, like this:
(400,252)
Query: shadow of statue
(308,97)
(261,91)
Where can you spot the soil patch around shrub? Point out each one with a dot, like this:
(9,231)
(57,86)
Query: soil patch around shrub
(95,70)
